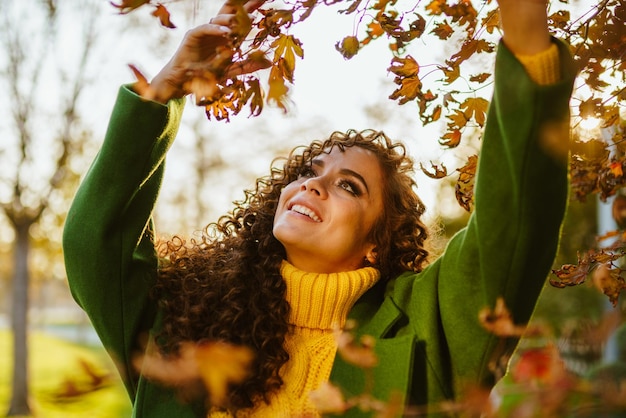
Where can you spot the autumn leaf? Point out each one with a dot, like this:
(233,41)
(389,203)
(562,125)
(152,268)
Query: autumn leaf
(475,107)
(464,187)
(451,139)
(127,6)
(499,321)
(609,281)
(277,88)
(348,47)
(569,274)
(491,22)
(443,30)
(539,366)
(328,399)
(374,30)
(254,94)
(458,120)
(438,171)
(220,365)
(287,47)
(410,88)
(164,16)
(404,67)
(471,47)
(436,7)
(359,353)
(589,108)
(480,78)
(451,73)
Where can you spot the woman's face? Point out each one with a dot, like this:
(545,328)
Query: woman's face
(324,217)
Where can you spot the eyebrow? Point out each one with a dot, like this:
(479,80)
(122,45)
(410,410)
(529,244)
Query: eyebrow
(345,171)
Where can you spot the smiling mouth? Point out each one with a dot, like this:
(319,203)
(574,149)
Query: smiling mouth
(303,210)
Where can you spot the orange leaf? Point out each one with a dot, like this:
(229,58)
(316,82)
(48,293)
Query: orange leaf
(436,7)
(164,16)
(411,88)
(616,169)
(404,67)
(374,30)
(451,139)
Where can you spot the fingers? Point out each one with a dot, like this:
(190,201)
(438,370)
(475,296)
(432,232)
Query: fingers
(246,67)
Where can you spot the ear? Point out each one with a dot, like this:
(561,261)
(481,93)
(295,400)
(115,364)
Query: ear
(371,255)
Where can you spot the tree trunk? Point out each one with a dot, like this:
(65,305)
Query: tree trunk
(19,321)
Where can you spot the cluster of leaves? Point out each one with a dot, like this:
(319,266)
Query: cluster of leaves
(596,39)
(538,383)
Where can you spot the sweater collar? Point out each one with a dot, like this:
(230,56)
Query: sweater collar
(322,301)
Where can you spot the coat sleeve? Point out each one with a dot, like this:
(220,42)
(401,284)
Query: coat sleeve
(511,240)
(108,236)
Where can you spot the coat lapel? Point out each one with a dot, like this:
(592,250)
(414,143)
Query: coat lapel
(393,374)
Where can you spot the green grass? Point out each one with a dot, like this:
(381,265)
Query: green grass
(60,386)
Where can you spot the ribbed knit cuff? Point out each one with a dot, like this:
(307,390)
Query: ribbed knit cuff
(543,68)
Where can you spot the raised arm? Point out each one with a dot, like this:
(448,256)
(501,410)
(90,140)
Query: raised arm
(108,243)
(510,241)
(201,49)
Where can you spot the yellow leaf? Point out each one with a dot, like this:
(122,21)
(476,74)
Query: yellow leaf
(277,88)
(348,47)
(287,47)
(475,107)
(222,364)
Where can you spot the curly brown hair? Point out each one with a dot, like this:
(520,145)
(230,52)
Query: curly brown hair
(227,285)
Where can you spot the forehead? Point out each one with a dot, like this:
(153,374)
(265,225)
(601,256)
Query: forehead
(350,155)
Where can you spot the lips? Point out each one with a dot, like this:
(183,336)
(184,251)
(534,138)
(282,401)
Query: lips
(303,210)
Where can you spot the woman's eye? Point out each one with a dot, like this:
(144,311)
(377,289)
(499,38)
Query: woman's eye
(349,187)
(306,172)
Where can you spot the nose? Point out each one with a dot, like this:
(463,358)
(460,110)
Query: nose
(314,185)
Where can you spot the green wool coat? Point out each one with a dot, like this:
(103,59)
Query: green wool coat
(429,340)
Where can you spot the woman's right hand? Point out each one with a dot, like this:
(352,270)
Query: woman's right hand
(201,50)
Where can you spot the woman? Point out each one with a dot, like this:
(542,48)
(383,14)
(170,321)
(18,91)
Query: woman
(334,233)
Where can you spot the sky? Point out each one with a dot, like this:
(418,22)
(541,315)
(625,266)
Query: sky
(330,93)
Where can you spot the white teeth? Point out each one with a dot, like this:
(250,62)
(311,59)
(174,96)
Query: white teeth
(306,211)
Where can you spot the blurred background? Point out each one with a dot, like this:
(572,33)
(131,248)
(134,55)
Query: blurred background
(60,67)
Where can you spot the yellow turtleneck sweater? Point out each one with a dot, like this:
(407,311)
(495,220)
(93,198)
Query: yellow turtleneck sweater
(319,304)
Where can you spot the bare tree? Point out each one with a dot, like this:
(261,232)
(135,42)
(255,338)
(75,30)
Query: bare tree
(41,137)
